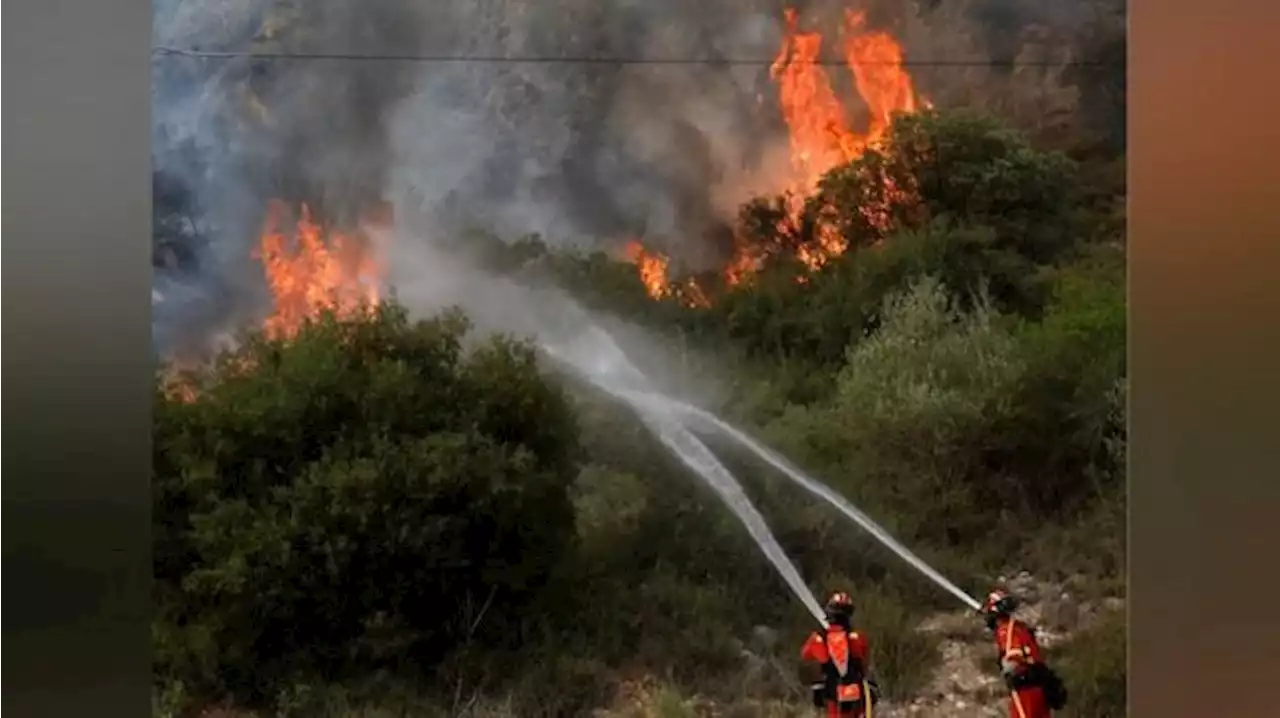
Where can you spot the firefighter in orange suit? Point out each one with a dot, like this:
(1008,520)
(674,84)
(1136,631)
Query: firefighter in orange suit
(1021,663)
(841,652)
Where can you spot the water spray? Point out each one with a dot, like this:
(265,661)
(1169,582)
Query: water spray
(699,458)
(593,354)
(823,491)
(612,373)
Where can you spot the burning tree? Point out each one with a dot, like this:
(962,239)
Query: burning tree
(315,269)
(820,138)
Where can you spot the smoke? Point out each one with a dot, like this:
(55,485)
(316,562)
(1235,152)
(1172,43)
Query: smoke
(430,277)
(229,134)
(583,148)
(580,151)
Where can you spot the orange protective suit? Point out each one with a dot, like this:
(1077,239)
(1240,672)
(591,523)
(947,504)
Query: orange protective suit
(1019,653)
(842,654)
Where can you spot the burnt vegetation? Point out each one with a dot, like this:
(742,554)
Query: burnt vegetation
(396,516)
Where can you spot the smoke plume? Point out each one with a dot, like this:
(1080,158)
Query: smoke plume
(551,129)
(577,147)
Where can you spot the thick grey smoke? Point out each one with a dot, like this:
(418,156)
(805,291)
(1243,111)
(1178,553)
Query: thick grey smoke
(578,152)
(588,151)
(585,152)
(229,134)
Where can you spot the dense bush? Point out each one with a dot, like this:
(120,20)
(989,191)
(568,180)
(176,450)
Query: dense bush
(959,165)
(960,196)
(1094,669)
(353,499)
(905,429)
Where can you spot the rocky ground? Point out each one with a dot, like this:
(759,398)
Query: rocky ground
(965,683)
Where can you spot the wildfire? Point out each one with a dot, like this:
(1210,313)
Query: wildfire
(652,267)
(875,59)
(820,136)
(177,387)
(314,269)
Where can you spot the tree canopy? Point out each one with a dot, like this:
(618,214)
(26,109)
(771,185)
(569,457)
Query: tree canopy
(354,497)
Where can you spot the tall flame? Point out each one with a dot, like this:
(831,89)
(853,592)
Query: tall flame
(308,271)
(820,136)
(652,267)
(314,269)
(875,59)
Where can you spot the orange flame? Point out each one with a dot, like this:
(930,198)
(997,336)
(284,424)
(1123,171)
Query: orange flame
(177,387)
(313,270)
(652,267)
(820,136)
(875,59)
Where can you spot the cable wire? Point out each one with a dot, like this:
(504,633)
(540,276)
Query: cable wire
(589,60)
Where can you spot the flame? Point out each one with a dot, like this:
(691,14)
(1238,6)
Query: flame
(311,270)
(178,388)
(875,59)
(179,378)
(652,267)
(314,269)
(820,136)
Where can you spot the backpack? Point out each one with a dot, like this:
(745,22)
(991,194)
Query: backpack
(1055,692)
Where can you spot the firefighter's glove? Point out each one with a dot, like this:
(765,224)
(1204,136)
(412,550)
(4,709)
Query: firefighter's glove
(818,692)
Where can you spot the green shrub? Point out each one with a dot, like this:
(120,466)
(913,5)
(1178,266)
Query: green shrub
(1065,440)
(955,195)
(1093,667)
(903,433)
(351,499)
(902,656)
(965,166)
(812,324)
(962,167)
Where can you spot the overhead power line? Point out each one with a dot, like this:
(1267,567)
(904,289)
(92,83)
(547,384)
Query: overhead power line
(588,60)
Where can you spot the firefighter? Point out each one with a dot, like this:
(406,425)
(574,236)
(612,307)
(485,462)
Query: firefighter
(846,688)
(1034,690)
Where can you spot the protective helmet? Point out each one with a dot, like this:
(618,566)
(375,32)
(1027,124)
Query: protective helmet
(839,607)
(999,604)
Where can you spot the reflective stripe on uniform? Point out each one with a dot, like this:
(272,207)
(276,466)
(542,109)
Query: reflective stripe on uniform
(1017,703)
(838,650)
(1010,652)
(851,692)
